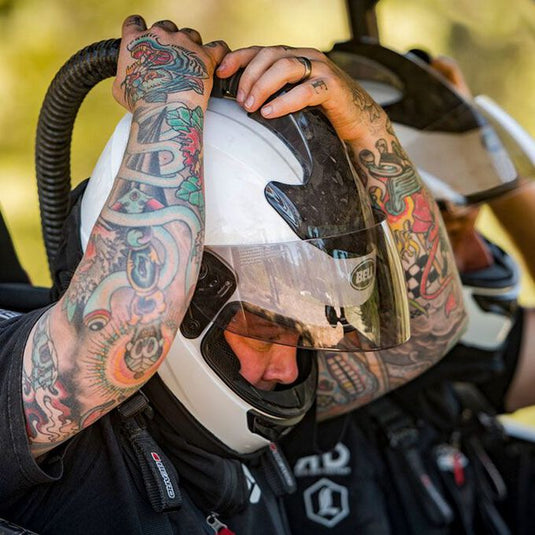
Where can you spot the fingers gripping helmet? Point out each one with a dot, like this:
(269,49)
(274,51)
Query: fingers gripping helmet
(291,243)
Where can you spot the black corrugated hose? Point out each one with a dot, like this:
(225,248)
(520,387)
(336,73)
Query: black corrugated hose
(63,99)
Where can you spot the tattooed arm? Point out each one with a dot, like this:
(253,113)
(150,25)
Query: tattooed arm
(435,301)
(349,380)
(113,327)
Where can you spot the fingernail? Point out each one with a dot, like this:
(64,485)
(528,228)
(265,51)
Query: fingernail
(267,110)
(240,96)
(249,102)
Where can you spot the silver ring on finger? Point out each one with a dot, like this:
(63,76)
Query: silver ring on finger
(307,64)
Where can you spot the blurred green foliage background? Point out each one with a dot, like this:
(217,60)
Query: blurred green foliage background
(494,41)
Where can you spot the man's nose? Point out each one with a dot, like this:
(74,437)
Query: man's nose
(282,365)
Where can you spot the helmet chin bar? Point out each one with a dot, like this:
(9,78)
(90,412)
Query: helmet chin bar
(269,428)
(273,413)
(230,413)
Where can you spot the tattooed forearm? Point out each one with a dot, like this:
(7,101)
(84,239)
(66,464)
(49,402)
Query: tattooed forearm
(121,311)
(397,190)
(348,380)
(43,395)
(437,313)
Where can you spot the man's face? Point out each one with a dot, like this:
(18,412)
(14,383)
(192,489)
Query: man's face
(267,362)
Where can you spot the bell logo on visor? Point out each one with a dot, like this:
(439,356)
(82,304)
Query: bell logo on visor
(363,275)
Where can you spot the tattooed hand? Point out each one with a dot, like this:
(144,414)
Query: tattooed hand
(348,107)
(157,64)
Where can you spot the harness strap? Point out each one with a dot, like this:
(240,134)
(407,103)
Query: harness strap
(404,457)
(159,475)
(278,473)
(479,420)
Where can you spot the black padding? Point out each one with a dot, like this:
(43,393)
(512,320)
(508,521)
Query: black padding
(10,268)
(21,297)
(16,292)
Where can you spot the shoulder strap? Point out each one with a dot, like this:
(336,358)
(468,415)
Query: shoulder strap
(410,475)
(159,474)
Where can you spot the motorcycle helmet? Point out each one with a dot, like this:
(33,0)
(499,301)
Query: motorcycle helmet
(291,241)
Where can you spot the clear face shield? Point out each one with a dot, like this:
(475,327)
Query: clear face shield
(475,163)
(341,293)
(298,259)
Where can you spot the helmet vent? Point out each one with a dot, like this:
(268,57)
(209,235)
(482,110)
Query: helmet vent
(216,283)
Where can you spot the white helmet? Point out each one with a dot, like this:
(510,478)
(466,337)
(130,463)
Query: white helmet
(291,239)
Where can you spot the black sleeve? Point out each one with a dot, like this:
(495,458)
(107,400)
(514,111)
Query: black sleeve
(18,469)
(496,389)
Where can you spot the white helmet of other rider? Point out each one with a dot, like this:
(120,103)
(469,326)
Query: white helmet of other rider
(464,142)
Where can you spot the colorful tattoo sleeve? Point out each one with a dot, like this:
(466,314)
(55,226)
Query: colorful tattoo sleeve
(348,381)
(115,323)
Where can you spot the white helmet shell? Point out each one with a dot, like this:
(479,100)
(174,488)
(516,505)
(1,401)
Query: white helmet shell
(243,228)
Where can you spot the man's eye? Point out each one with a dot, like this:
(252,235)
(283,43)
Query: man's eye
(259,345)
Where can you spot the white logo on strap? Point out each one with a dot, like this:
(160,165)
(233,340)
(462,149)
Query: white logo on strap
(326,502)
(334,462)
(252,485)
(163,472)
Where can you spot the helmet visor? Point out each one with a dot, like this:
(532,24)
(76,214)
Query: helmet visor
(339,293)
(475,163)
(519,144)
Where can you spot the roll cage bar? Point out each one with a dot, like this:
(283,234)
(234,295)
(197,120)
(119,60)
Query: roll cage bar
(362,19)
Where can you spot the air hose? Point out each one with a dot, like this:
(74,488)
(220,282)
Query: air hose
(63,99)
